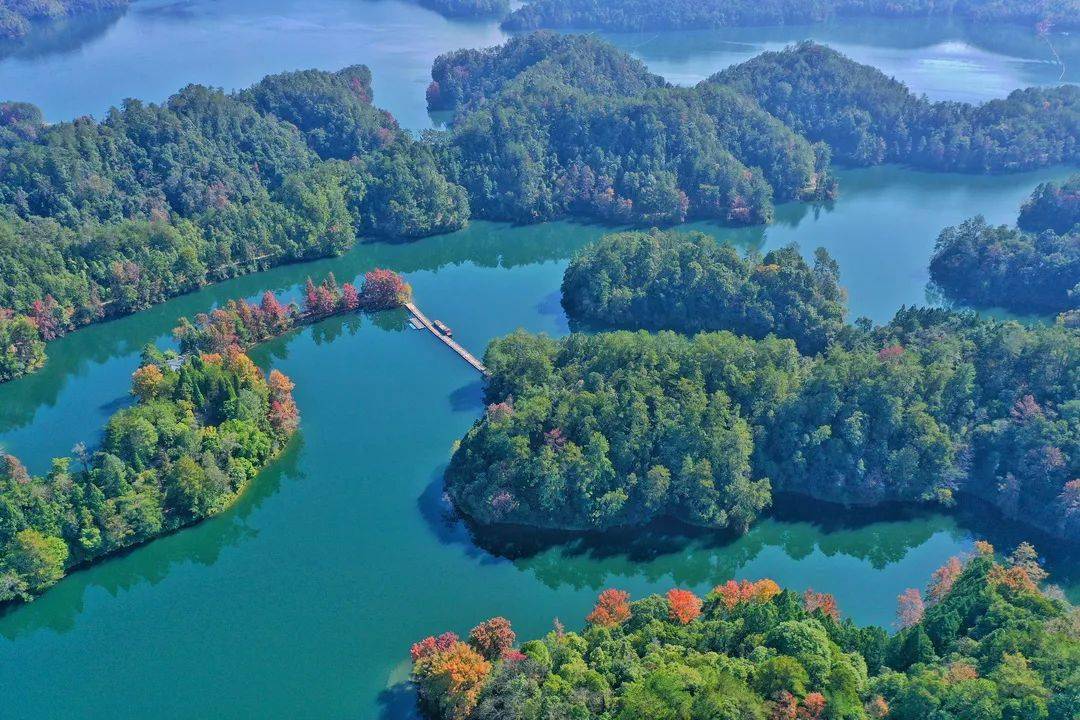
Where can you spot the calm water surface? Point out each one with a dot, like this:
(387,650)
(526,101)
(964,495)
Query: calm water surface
(158,46)
(301,601)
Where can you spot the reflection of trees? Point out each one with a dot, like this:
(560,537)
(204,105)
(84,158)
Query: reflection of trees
(483,244)
(692,556)
(151,563)
(61,37)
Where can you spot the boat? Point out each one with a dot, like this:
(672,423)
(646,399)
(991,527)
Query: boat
(443,328)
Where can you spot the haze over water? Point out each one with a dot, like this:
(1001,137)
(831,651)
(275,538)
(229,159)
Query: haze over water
(302,600)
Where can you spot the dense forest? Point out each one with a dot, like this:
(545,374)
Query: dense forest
(18,16)
(868,118)
(1053,206)
(467,8)
(1035,268)
(986,643)
(201,429)
(594,431)
(1001,266)
(690,283)
(642,15)
(573,134)
(104,219)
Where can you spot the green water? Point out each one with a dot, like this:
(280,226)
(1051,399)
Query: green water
(302,600)
(158,46)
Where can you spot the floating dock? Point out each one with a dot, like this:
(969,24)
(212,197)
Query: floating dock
(446,339)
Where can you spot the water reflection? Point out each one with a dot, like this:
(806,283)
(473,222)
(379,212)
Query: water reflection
(59,608)
(60,37)
(797,527)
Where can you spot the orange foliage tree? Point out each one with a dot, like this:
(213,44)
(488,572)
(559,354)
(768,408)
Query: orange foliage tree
(733,593)
(146,382)
(492,638)
(612,608)
(284,415)
(384,289)
(941,582)
(909,608)
(685,606)
(449,675)
(826,603)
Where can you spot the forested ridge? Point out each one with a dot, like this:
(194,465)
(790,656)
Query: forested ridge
(467,8)
(100,219)
(986,642)
(690,283)
(17,16)
(641,15)
(1031,268)
(202,428)
(553,126)
(593,431)
(868,118)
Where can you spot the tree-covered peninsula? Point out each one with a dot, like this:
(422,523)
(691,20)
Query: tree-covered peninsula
(100,219)
(467,8)
(643,15)
(1032,268)
(690,283)
(985,643)
(554,127)
(202,427)
(868,118)
(1053,206)
(17,17)
(594,431)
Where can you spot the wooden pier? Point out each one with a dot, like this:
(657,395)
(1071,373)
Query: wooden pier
(449,341)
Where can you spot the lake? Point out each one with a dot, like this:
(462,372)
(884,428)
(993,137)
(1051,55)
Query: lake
(158,46)
(302,600)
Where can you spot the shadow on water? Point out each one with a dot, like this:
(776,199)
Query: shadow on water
(468,397)
(797,526)
(398,702)
(62,36)
(60,606)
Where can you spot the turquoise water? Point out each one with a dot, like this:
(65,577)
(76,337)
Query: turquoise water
(301,601)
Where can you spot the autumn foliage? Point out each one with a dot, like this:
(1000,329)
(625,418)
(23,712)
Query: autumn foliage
(909,608)
(684,605)
(733,593)
(826,603)
(492,638)
(146,382)
(449,676)
(612,608)
(384,290)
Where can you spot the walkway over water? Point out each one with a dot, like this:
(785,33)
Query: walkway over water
(450,342)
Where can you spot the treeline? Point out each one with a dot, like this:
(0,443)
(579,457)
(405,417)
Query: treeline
(688,282)
(574,135)
(1034,268)
(594,431)
(867,118)
(467,8)
(104,219)
(17,16)
(200,431)
(986,642)
(243,324)
(642,15)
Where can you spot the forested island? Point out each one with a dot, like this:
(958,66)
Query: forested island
(985,642)
(690,283)
(17,17)
(868,118)
(595,431)
(641,15)
(1032,268)
(203,426)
